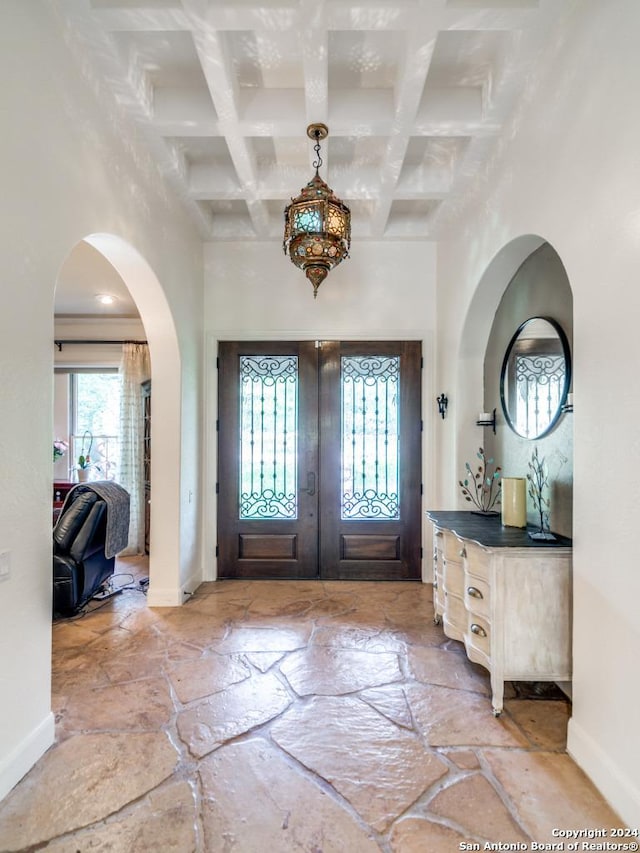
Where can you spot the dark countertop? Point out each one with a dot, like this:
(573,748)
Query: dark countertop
(488,531)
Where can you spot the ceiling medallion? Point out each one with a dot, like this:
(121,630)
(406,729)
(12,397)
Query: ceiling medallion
(317,225)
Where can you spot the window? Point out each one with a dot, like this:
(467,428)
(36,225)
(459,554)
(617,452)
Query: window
(95,421)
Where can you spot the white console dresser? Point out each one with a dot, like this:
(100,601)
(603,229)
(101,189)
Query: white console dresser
(504,595)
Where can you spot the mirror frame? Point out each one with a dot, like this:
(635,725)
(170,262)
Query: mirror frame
(566,351)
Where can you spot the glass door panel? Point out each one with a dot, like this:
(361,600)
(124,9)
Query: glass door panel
(268,436)
(370,436)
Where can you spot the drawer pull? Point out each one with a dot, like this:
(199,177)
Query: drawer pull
(478,630)
(463,552)
(435,584)
(474,592)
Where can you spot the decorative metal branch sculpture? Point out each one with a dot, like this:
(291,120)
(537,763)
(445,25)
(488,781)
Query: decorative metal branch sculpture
(538,486)
(482,488)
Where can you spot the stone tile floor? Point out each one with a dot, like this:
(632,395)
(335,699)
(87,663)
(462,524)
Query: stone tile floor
(288,716)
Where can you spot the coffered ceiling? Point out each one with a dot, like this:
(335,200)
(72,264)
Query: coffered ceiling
(415,94)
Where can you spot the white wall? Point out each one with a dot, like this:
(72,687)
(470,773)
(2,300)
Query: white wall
(382,288)
(568,171)
(254,292)
(71,168)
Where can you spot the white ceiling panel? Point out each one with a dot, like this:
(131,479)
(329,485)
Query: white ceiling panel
(415,94)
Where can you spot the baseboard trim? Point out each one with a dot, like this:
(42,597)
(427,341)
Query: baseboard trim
(621,792)
(173,597)
(22,758)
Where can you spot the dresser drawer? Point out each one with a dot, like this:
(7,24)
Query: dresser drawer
(477,594)
(438,594)
(455,617)
(438,554)
(452,546)
(453,577)
(477,561)
(478,634)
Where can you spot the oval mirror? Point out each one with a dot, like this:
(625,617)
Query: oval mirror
(535,377)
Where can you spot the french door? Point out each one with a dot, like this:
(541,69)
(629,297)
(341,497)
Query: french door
(319,449)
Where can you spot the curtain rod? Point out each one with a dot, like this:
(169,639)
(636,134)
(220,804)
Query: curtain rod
(60,343)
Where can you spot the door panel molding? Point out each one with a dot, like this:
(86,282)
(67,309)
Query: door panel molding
(372,547)
(268,546)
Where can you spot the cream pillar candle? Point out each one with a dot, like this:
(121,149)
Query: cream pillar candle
(514,502)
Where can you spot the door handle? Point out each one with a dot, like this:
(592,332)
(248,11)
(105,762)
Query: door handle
(311,483)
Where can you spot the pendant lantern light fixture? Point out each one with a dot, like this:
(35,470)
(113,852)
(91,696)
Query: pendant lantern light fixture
(317,225)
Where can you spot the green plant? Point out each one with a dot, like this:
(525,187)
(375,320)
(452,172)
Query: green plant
(481,487)
(538,484)
(84,460)
(60,447)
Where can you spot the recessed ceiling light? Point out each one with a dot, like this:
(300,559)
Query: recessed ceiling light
(105,299)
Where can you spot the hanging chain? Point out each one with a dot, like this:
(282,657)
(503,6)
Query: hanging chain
(317,163)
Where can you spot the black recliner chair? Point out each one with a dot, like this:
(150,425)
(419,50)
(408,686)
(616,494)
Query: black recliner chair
(80,565)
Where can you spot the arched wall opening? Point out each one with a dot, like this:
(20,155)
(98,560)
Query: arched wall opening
(539,288)
(525,278)
(468,391)
(148,295)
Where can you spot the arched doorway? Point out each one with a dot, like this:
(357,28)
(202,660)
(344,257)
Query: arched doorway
(146,291)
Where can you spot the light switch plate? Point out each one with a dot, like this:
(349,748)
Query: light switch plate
(5,565)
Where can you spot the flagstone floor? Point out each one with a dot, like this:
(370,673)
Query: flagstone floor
(266,717)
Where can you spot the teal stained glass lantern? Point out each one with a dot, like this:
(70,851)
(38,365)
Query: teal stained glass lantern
(317,225)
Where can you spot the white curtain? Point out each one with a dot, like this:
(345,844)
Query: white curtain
(134,370)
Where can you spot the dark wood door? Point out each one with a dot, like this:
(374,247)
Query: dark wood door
(319,460)
(370,452)
(268,460)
